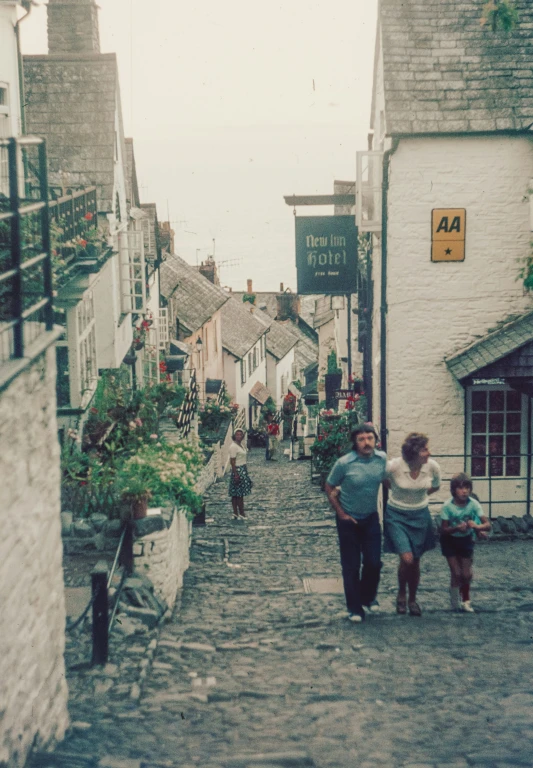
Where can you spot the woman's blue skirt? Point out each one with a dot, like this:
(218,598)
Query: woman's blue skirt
(408,530)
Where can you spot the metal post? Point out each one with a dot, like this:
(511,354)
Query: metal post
(100,603)
(126,556)
(349,304)
(45,229)
(528,459)
(16,249)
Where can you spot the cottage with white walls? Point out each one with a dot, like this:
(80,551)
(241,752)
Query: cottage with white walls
(97,308)
(452,115)
(245,367)
(194,307)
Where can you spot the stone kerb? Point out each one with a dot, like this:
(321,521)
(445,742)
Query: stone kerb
(163,555)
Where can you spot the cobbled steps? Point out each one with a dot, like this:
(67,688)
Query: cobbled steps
(255,672)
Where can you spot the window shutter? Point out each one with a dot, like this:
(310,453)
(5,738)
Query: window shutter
(368,191)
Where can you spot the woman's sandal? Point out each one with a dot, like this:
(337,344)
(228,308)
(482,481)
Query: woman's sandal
(414,609)
(401,605)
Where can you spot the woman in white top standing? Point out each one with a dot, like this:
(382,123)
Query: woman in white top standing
(407,524)
(240,484)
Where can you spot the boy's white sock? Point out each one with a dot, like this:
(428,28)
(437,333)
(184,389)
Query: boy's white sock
(455,601)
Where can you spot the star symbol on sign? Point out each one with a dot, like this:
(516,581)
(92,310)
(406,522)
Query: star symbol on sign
(448,251)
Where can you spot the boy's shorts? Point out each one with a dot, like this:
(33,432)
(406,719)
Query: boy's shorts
(457,546)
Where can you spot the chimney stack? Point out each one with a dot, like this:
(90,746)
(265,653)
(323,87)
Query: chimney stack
(249,286)
(73,26)
(281,287)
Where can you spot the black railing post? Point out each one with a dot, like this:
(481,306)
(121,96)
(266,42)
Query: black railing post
(126,555)
(45,229)
(100,608)
(16,249)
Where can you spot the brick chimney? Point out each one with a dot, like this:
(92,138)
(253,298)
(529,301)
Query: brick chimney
(208,269)
(281,287)
(249,288)
(73,26)
(288,306)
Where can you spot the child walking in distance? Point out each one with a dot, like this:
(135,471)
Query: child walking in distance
(462,519)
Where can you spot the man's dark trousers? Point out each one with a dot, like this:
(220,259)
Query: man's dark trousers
(360,541)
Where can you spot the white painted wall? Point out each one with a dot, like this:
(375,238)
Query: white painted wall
(9,63)
(232,374)
(283,369)
(436,309)
(114,332)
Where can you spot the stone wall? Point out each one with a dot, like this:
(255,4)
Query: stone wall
(163,556)
(73,26)
(33,691)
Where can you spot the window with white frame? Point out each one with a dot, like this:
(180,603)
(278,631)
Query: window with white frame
(262,347)
(250,364)
(255,358)
(215,340)
(86,337)
(151,373)
(163,327)
(368,190)
(132,272)
(294,372)
(243,371)
(495,431)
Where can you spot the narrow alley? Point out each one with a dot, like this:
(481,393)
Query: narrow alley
(259,666)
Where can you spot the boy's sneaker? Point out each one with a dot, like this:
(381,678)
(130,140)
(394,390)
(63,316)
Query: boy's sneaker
(373,607)
(466,607)
(356,618)
(455,601)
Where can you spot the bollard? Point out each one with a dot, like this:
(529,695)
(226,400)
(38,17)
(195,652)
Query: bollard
(100,629)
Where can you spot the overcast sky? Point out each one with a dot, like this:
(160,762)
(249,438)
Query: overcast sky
(231,106)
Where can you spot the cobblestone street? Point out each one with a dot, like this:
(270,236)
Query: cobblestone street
(258,669)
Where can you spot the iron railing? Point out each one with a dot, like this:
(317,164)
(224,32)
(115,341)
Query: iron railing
(188,407)
(70,210)
(26,308)
(487,487)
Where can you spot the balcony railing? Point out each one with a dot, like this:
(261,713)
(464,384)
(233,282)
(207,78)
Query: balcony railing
(70,211)
(26,309)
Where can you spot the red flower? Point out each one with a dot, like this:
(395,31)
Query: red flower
(83,482)
(168,377)
(83,242)
(94,410)
(162,366)
(88,216)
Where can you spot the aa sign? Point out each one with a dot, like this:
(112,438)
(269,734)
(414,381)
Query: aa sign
(448,232)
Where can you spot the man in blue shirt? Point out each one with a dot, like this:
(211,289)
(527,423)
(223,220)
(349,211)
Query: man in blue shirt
(359,475)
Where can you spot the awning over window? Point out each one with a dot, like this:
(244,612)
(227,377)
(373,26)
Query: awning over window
(260,393)
(505,352)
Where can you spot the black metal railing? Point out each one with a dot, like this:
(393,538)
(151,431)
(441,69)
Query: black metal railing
(188,407)
(26,309)
(71,211)
(487,486)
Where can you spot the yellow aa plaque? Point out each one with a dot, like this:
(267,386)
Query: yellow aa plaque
(448,231)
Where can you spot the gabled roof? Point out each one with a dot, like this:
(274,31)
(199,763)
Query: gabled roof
(195,300)
(279,340)
(240,329)
(71,101)
(444,72)
(492,347)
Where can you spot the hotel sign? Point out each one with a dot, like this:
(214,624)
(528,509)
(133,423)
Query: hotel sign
(326,254)
(448,230)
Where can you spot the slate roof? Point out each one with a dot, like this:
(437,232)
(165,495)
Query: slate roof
(71,102)
(323,312)
(446,73)
(492,347)
(195,300)
(132,186)
(240,329)
(279,340)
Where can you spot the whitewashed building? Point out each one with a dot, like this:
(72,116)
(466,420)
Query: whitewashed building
(102,301)
(244,340)
(452,114)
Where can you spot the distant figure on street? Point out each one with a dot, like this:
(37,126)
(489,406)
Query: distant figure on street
(462,519)
(359,475)
(272,430)
(240,484)
(407,523)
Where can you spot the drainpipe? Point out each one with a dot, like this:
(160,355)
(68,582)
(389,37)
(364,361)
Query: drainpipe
(22,97)
(383,309)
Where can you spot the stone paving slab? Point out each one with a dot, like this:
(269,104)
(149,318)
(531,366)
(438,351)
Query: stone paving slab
(254,667)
